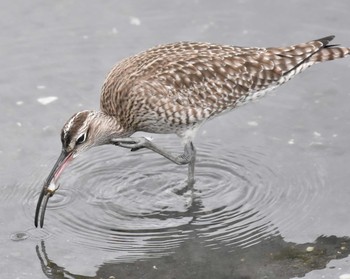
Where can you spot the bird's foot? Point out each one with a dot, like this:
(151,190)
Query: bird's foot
(183,189)
(132,143)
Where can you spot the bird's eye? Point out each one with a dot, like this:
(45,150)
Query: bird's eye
(81,139)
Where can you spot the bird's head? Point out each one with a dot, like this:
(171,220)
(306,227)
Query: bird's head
(82,131)
(77,134)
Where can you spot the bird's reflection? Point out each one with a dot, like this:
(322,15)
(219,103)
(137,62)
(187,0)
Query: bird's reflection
(273,258)
(49,267)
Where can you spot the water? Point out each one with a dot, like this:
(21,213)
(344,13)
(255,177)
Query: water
(271,193)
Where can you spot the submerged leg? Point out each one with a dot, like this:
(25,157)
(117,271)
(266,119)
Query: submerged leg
(188,157)
(191,150)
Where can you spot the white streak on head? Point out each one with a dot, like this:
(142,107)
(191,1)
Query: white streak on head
(71,121)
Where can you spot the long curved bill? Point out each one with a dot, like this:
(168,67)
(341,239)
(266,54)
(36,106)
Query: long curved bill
(49,187)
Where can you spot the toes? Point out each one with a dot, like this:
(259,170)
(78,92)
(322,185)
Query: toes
(131,143)
(126,144)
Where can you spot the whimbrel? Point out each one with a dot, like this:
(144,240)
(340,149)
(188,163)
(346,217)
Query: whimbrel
(175,88)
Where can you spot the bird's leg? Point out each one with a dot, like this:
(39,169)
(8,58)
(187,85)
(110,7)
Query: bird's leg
(190,150)
(188,157)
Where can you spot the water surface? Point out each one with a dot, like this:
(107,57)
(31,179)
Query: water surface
(271,193)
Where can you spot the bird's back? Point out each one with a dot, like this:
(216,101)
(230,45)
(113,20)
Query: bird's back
(172,87)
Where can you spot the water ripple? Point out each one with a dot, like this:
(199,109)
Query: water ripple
(131,203)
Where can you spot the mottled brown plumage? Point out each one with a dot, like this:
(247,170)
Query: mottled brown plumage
(174,88)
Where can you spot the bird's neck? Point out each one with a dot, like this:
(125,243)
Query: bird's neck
(108,127)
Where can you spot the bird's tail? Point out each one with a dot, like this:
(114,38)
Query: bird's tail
(329,52)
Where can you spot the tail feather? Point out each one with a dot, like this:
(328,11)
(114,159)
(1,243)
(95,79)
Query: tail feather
(325,41)
(329,52)
(297,58)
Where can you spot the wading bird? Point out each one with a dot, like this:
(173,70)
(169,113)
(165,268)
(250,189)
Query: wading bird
(175,88)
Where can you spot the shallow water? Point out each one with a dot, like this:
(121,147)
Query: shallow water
(271,197)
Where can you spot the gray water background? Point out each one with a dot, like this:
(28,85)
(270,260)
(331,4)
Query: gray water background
(292,148)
